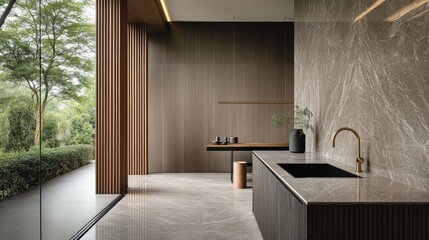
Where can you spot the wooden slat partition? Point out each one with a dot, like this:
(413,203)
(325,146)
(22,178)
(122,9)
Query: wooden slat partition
(369,222)
(191,69)
(137,99)
(111,103)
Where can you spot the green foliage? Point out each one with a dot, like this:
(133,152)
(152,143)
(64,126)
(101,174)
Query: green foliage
(20,172)
(64,51)
(81,131)
(82,119)
(47,59)
(279,120)
(4,131)
(50,132)
(301,120)
(11,93)
(21,127)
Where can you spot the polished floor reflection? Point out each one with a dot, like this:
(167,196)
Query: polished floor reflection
(68,203)
(180,206)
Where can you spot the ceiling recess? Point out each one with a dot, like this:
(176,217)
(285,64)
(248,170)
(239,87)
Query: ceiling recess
(149,12)
(226,10)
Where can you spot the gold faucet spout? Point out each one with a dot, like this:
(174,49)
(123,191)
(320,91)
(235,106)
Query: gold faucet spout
(359,159)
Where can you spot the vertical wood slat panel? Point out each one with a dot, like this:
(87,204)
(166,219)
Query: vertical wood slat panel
(368,222)
(111,101)
(278,213)
(137,99)
(192,68)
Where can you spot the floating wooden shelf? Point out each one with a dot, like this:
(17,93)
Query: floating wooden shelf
(256,102)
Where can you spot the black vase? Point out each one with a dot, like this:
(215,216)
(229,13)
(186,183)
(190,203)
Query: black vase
(297,141)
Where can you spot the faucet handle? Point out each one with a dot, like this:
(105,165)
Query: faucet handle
(359,161)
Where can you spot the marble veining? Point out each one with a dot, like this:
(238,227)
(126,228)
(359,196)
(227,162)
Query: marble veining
(180,206)
(370,189)
(370,75)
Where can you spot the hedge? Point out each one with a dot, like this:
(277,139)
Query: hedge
(19,172)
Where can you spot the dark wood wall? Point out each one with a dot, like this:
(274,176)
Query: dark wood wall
(191,68)
(137,98)
(279,213)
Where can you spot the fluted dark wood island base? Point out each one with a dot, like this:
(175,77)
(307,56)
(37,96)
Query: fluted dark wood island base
(366,208)
(246,147)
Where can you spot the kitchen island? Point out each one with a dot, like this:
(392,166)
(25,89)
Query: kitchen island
(364,207)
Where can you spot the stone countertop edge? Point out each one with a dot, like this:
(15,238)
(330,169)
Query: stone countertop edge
(371,189)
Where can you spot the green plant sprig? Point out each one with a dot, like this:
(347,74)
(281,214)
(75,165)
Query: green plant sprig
(301,120)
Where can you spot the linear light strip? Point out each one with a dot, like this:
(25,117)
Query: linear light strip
(164,7)
(406,9)
(372,7)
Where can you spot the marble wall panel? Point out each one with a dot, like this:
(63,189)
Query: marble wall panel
(370,75)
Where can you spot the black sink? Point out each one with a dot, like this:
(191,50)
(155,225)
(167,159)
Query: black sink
(315,170)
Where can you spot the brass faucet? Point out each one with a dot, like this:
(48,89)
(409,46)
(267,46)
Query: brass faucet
(359,159)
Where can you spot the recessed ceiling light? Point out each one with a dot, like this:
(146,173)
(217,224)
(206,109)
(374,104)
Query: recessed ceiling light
(406,9)
(164,7)
(372,7)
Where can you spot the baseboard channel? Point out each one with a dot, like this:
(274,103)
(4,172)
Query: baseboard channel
(97,217)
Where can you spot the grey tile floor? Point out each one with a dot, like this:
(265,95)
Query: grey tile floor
(68,203)
(180,206)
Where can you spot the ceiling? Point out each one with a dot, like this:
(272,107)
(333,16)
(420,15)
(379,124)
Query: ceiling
(149,12)
(226,10)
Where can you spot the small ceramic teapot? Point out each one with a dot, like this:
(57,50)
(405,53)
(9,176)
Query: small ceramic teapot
(233,139)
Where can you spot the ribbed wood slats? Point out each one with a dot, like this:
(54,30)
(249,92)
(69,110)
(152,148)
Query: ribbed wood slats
(277,211)
(111,85)
(368,222)
(191,69)
(137,99)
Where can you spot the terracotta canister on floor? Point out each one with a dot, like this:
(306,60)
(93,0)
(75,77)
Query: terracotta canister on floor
(239,180)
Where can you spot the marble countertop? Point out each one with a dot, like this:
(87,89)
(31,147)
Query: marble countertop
(370,189)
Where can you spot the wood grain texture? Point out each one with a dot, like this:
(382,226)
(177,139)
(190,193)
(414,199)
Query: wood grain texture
(191,69)
(240,175)
(278,214)
(247,146)
(111,92)
(149,12)
(369,222)
(137,99)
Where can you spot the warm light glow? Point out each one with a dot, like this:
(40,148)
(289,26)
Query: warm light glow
(165,11)
(372,7)
(408,8)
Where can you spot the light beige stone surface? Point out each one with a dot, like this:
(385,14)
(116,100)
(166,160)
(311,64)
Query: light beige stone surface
(180,206)
(370,189)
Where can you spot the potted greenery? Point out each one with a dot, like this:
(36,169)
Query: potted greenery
(301,121)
